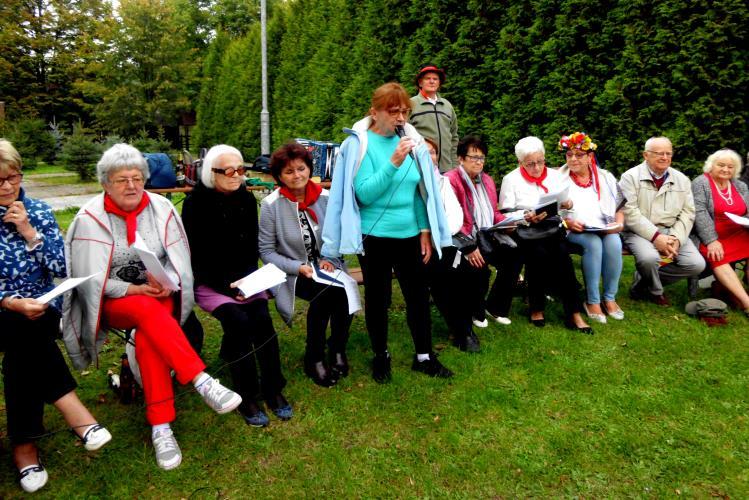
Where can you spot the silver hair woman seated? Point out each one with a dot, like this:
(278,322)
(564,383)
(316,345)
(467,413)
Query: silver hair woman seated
(221,222)
(124,295)
(34,371)
(547,262)
(718,193)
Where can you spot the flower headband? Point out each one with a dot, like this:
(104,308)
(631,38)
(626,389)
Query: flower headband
(578,140)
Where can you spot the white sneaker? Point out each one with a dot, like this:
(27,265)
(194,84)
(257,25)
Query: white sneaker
(480,323)
(33,478)
(218,397)
(499,319)
(95,437)
(168,454)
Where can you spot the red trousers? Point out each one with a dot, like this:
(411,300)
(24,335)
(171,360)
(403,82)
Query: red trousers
(160,346)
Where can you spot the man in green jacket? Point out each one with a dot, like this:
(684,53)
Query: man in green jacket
(433,116)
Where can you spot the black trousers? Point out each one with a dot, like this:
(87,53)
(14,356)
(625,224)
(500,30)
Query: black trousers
(326,304)
(249,336)
(549,269)
(458,292)
(508,262)
(381,257)
(34,372)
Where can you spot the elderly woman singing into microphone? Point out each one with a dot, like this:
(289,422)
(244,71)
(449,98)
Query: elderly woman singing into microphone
(124,295)
(547,262)
(385,206)
(34,371)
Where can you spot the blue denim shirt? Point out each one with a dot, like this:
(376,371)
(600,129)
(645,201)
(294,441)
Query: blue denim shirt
(29,273)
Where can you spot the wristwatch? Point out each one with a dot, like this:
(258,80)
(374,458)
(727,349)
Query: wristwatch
(35,241)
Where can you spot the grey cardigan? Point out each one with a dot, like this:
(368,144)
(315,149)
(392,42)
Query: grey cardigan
(280,242)
(704,221)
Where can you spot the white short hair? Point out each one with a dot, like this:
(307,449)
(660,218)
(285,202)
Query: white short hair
(649,142)
(724,153)
(527,146)
(206,173)
(120,157)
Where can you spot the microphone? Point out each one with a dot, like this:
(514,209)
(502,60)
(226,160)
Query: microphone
(400,132)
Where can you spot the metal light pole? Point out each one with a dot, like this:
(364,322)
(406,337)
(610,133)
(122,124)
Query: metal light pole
(264,114)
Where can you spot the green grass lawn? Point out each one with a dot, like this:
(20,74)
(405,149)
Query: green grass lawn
(654,406)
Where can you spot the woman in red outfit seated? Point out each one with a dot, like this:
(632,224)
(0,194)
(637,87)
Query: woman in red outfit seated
(717,193)
(123,295)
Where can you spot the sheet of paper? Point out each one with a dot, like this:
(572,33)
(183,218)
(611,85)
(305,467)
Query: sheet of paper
(340,278)
(742,221)
(264,278)
(558,197)
(63,287)
(598,229)
(153,265)
(510,220)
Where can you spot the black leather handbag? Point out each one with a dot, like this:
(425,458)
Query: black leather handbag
(547,228)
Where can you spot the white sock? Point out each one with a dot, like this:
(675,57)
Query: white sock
(200,384)
(28,467)
(422,357)
(158,428)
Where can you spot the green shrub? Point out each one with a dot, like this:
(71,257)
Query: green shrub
(33,140)
(80,153)
(146,144)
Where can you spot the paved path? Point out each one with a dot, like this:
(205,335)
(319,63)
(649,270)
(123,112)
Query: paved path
(59,196)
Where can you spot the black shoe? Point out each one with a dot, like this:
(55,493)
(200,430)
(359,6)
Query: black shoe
(431,367)
(338,363)
(319,374)
(381,368)
(539,323)
(587,330)
(469,343)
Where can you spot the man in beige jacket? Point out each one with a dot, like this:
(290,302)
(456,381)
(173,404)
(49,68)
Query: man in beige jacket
(658,217)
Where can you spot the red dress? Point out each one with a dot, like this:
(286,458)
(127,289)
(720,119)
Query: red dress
(733,237)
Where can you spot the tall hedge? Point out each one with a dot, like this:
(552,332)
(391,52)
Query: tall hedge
(620,70)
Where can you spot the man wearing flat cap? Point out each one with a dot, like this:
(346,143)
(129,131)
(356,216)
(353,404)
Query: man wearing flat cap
(434,116)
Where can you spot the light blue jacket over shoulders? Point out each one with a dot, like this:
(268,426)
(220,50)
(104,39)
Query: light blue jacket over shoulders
(342,232)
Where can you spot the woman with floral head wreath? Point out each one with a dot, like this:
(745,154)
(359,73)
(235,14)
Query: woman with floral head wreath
(594,224)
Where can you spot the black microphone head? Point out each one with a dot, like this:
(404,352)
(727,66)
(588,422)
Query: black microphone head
(400,131)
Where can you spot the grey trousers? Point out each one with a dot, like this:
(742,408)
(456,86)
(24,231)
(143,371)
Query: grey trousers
(653,276)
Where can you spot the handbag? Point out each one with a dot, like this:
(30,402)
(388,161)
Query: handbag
(466,244)
(545,229)
(487,241)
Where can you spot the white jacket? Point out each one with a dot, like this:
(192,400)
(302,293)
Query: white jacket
(89,247)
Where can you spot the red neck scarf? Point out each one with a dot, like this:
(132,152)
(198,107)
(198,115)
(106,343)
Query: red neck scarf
(311,194)
(130,217)
(539,181)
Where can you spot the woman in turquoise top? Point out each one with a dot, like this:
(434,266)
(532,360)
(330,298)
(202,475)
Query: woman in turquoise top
(395,230)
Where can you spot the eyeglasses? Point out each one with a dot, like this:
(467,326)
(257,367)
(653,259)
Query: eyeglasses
(229,172)
(539,163)
(575,154)
(124,181)
(477,159)
(399,111)
(13,179)
(665,154)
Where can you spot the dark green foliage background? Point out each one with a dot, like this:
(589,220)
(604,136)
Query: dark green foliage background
(620,70)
